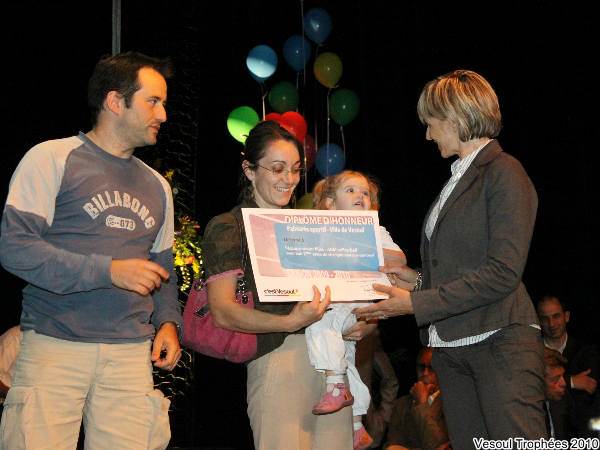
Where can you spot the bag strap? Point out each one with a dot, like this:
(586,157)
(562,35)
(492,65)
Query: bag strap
(241,282)
(200,283)
(243,243)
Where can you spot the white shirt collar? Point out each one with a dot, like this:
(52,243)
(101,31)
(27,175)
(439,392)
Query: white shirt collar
(460,166)
(561,348)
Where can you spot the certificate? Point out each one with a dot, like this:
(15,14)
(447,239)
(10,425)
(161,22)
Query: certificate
(292,249)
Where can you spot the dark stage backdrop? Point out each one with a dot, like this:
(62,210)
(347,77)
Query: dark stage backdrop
(537,54)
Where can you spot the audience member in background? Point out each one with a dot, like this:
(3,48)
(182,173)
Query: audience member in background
(554,366)
(10,343)
(418,419)
(378,373)
(572,413)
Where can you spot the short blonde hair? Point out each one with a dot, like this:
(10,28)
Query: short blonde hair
(466,99)
(326,188)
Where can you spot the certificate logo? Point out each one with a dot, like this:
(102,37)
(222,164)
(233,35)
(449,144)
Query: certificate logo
(281,292)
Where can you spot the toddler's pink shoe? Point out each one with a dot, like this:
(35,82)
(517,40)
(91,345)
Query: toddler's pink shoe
(330,403)
(362,439)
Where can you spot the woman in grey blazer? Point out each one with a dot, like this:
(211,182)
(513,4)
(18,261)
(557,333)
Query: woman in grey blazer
(469,299)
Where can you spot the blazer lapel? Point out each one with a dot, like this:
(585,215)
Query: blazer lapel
(488,153)
(463,184)
(424,240)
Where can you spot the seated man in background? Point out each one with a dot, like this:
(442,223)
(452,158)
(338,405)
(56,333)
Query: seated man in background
(418,419)
(571,415)
(554,365)
(377,372)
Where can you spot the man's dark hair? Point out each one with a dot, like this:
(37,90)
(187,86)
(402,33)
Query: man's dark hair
(120,73)
(547,298)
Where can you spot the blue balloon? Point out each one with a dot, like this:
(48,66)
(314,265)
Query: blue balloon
(297,52)
(317,24)
(330,159)
(261,62)
(258,79)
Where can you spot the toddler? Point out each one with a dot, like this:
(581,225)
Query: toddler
(327,350)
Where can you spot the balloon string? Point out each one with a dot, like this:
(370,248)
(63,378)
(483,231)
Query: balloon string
(263,94)
(328,122)
(317,114)
(328,118)
(303,40)
(343,140)
(315,97)
(316,133)
(297,86)
(305,168)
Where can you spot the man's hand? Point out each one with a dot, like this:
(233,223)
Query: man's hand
(137,275)
(420,392)
(166,342)
(584,382)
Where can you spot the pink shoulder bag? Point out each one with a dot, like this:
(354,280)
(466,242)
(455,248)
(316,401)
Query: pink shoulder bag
(199,331)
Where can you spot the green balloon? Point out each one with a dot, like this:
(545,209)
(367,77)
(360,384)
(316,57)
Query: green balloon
(240,121)
(343,105)
(283,97)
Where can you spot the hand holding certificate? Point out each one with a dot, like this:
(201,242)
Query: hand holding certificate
(399,303)
(292,250)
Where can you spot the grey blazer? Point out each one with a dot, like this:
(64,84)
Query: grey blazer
(473,263)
